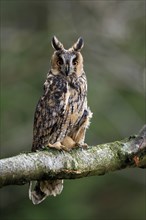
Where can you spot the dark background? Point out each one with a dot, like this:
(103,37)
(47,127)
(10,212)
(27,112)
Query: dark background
(114,61)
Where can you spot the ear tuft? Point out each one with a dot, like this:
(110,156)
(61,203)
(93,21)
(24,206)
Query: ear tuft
(56,44)
(79,44)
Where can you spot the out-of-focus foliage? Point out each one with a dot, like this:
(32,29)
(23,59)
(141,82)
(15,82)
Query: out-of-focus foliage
(114,35)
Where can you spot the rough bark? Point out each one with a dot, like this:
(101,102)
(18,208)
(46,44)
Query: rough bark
(54,164)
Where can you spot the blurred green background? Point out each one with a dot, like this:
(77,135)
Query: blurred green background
(114,60)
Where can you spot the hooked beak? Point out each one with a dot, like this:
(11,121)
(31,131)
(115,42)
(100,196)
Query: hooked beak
(67,69)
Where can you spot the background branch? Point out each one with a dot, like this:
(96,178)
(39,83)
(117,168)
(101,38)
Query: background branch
(54,164)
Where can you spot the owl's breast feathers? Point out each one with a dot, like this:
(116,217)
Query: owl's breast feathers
(59,109)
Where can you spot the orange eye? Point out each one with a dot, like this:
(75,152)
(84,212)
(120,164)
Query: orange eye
(59,62)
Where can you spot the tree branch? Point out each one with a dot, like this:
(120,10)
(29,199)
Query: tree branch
(54,164)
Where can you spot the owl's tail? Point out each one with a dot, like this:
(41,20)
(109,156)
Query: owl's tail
(45,188)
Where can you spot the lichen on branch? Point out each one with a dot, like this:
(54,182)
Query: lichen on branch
(78,163)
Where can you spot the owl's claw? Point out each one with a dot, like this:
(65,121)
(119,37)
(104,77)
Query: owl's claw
(84,146)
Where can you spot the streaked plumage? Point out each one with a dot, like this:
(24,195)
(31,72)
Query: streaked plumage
(62,115)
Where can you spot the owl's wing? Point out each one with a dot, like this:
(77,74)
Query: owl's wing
(49,114)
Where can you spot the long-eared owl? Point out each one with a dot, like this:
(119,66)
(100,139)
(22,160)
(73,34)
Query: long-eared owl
(62,115)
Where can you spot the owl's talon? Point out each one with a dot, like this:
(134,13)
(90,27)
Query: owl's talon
(77,145)
(84,146)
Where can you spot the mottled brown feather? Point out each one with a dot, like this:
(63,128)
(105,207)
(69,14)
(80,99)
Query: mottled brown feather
(62,115)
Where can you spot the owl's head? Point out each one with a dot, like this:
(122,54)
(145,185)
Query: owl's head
(67,62)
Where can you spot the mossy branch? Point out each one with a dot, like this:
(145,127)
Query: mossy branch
(54,164)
